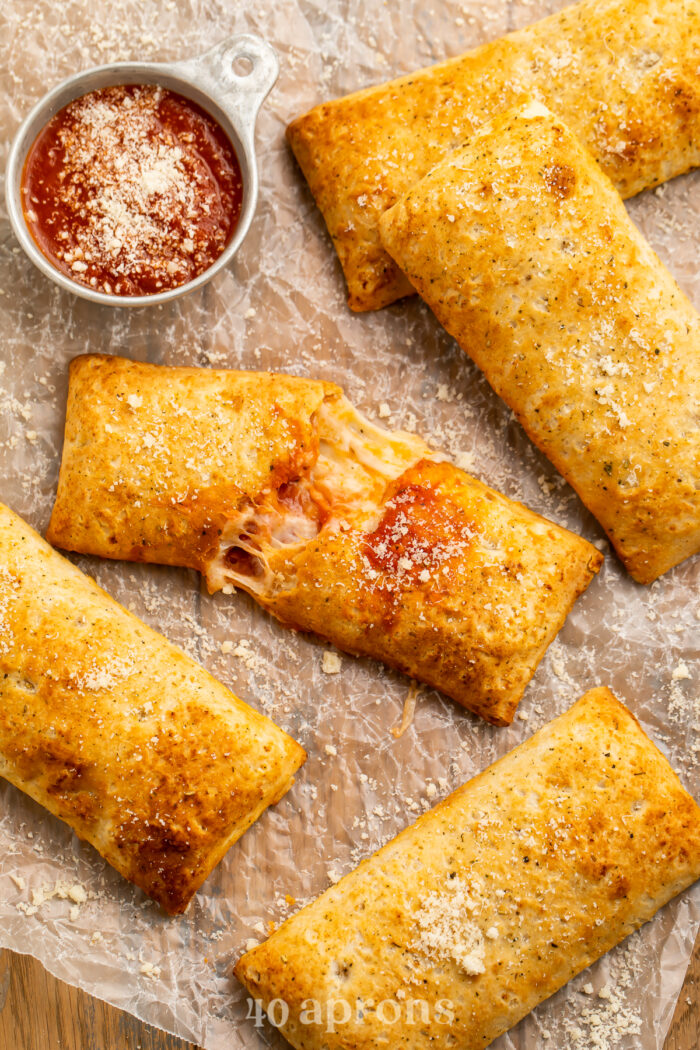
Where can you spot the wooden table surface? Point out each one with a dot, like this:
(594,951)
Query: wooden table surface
(37,1012)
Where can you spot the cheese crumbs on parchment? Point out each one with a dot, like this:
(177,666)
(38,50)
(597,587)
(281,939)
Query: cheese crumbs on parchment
(331,663)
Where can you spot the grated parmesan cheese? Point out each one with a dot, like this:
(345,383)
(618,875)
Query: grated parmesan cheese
(448,931)
(331,663)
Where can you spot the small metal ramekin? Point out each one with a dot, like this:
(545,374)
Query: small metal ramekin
(211,80)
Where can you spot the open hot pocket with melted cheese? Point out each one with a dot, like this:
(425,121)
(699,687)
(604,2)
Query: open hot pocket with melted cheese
(279,486)
(526,254)
(119,733)
(492,900)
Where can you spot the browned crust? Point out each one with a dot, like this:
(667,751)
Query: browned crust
(479,626)
(476,629)
(623,73)
(577,836)
(573,319)
(118,733)
(173,485)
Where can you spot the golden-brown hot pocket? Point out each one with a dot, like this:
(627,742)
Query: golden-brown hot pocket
(279,486)
(119,733)
(524,251)
(491,901)
(622,73)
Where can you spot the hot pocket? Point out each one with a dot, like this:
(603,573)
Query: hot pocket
(524,251)
(622,73)
(120,734)
(491,901)
(279,486)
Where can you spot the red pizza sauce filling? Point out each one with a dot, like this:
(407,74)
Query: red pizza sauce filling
(420,537)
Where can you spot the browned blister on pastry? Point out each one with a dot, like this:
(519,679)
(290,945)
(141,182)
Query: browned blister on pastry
(119,733)
(622,73)
(279,486)
(523,249)
(491,901)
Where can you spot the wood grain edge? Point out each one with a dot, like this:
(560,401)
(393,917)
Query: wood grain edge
(39,1012)
(684,1033)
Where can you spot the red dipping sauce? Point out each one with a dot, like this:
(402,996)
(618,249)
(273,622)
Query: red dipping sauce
(132,190)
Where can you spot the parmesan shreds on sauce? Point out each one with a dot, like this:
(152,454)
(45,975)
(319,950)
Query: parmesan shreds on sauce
(132,190)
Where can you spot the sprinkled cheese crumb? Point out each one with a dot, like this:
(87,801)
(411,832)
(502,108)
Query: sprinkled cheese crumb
(465,460)
(78,893)
(681,672)
(149,969)
(250,313)
(384,411)
(134,400)
(447,930)
(26,909)
(245,654)
(251,943)
(331,663)
(226,647)
(603,1025)
(62,890)
(331,750)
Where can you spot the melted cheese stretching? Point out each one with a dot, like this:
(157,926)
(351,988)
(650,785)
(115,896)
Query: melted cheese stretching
(277,485)
(344,487)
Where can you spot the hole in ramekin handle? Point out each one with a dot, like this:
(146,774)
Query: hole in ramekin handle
(239,72)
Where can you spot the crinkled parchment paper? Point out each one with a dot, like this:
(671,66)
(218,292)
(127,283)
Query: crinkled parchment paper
(281,305)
